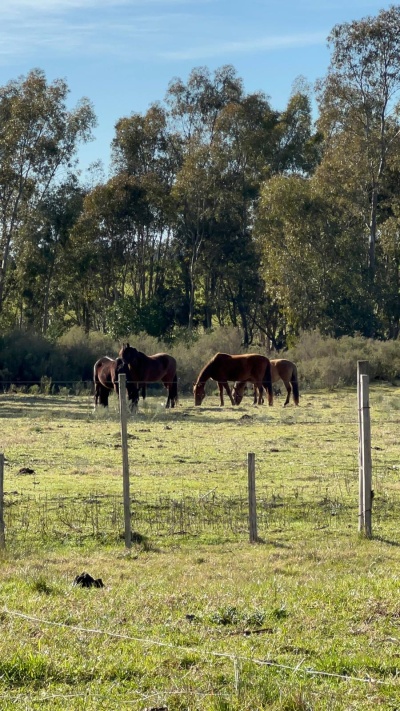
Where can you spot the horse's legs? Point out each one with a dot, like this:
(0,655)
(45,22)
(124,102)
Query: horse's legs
(173,390)
(104,393)
(221,393)
(258,399)
(288,390)
(228,390)
(133,396)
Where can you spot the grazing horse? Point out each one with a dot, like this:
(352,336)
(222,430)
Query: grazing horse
(224,367)
(281,369)
(105,375)
(143,369)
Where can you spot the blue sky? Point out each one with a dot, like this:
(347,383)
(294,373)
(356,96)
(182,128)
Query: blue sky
(122,54)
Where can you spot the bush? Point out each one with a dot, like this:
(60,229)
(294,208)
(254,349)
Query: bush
(80,352)
(27,359)
(325,362)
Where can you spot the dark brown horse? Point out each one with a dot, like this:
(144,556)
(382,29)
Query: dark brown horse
(281,369)
(143,369)
(105,375)
(224,368)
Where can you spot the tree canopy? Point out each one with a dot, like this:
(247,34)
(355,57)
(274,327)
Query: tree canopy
(219,209)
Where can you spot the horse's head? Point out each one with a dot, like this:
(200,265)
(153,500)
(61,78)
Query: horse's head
(199,392)
(238,392)
(128,353)
(121,366)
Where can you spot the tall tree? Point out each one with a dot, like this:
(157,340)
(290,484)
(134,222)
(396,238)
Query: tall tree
(358,101)
(38,137)
(313,256)
(41,259)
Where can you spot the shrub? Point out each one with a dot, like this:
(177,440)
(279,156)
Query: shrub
(27,359)
(327,362)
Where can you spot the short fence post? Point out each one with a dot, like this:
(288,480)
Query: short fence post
(362,369)
(365,437)
(251,473)
(2,527)
(125,461)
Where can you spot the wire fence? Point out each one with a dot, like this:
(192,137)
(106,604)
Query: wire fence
(324,497)
(100,517)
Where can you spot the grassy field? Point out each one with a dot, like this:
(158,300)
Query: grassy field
(193,616)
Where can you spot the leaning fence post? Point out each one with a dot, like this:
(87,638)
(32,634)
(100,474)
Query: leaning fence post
(2,527)
(125,461)
(365,437)
(362,369)
(251,474)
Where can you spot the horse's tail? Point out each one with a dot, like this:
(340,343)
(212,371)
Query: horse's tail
(267,382)
(295,386)
(96,383)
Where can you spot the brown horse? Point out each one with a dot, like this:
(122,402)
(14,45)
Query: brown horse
(281,369)
(159,367)
(105,375)
(224,367)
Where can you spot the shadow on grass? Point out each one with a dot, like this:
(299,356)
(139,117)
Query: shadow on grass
(386,541)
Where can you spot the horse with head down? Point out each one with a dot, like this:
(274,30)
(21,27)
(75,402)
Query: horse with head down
(281,369)
(106,372)
(224,368)
(143,369)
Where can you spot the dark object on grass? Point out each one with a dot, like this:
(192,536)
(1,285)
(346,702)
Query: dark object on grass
(84,580)
(26,470)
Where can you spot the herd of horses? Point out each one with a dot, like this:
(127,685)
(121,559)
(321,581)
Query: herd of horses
(141,369)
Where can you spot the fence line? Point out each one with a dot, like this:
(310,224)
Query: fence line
(195,650)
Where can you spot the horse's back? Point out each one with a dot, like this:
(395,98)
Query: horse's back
(283,367)
(156,367)
(164,356)
(238,366)
(102,363)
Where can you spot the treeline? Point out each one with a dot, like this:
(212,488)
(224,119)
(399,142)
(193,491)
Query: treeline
(220,211)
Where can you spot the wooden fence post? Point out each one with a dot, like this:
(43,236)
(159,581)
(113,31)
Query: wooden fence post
(251,474)
(2,527)
(365,437)
(362,369)
(125,461)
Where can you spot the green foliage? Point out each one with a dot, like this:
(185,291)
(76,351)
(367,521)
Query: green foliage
(41,585)
(322,361)
(328,362)
(127,317)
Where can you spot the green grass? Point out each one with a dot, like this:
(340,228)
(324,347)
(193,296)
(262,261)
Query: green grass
(201,619)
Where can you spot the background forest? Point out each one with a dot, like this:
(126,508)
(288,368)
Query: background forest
(219,212)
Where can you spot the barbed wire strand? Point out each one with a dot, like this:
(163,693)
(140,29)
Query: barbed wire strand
(157,643)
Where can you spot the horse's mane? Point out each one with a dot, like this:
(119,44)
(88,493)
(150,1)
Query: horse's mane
(204,373)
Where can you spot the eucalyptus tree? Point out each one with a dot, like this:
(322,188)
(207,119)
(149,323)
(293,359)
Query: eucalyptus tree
(313,257)
(39,137)
(42,259)
(359,111)
(253,143)
(118,248)
(194,111)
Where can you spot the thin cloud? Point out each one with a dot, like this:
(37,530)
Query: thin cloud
(249,46)
(102,35)
(12,8)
